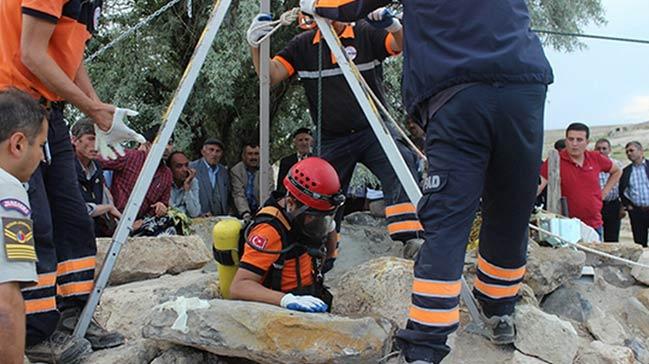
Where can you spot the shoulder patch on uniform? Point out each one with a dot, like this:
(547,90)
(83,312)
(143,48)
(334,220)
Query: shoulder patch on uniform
(15,205)
(18,236)
(259,241)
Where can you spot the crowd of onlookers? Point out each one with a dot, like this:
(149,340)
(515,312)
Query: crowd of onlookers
(600,190)
(180,189)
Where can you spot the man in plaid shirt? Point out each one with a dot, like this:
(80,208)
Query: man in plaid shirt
(126,169)
(612,212)
(634,191)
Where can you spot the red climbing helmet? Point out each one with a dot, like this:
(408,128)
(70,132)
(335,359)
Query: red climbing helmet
(315,183)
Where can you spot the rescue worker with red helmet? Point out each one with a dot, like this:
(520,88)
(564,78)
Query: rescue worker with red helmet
(289,240)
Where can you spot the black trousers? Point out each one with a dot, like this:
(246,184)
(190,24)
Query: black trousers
(63,234)
(611,217)
(639,224)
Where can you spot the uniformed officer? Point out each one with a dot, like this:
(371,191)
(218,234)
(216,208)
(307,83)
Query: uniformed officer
(475,77)
(42,43)
(347,137)
(289,240)
(22,137)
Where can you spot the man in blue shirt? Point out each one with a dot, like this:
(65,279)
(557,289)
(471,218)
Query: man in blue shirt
(634,191)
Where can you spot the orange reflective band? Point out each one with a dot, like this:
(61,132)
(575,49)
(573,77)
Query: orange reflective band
(426,287)
(287,66)
(504,274)
(434,317)
(40,305)
(495,291)
(402,208)
(75,288)
(76,265)
(332,3)
(402,226)
(338,236)
(46,280)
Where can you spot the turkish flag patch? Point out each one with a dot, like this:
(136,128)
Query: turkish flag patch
(259,241)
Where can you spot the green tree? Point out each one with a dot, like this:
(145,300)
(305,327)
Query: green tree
(143,71)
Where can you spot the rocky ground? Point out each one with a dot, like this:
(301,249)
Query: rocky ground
(164,297)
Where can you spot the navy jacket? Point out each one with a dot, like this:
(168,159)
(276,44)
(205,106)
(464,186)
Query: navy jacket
(624,182)
(447,43)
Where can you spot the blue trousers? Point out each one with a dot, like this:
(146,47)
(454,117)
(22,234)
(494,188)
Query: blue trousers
(484,145)
(344,151)
(63,234)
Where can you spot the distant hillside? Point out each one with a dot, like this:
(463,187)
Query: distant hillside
(619,135)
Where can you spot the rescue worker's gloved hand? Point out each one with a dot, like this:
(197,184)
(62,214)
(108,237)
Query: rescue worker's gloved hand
(308,6)
(384,18)
(328,265)
(260,26)
(108,142)
(303,303)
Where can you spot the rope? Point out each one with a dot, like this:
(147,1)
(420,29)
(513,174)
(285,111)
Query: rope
(590,250)
(287,18)
(319,112)
(592,36)
(132,30)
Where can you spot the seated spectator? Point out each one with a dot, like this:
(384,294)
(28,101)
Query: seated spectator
(213,179)
(91,179)
(184,190)
(126,170)
(303,142)
(245,181)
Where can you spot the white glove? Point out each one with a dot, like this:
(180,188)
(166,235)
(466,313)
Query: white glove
(384,18)
(308,6)
(303,303)
(109,142)
(260,26)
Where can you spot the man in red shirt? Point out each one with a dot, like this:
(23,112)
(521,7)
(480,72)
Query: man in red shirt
(579,170)
(126,170)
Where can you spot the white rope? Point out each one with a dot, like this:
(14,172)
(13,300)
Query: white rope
(590,250)
(287,18)
(132,30)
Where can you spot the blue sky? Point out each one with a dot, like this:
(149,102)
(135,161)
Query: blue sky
(607,83)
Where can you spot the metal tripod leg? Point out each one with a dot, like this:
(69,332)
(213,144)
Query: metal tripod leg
(353,77)
(153,160)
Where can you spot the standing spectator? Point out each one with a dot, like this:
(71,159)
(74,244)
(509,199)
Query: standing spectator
(634,191)
(302,141)
(126,170)
(184,190)
(245,181)
(612,211)
(560,144)
(417,134)
(213,179)
(22,138)
(579,170)
(91,179)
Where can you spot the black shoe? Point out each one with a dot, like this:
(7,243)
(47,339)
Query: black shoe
(500,329)
(99,337)
(59,348)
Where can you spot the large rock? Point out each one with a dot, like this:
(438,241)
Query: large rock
(606,329)
(364,219)
(184,355)
(133,352)
(567,303)
(643,297)
(629,251)
(379,287)
(639,273)
(475,349)
(520,358)
(637,317)
(203,226)
(601,353)
(270,334)
(639,349)
(549,268)
(361,243)
(619,276)
(544,336)
(124,308)
(150,257)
